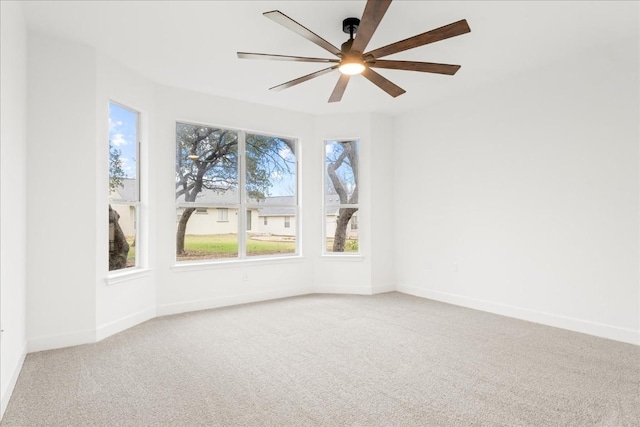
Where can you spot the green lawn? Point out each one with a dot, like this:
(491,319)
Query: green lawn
(131,256)
(351,245)
(213,246)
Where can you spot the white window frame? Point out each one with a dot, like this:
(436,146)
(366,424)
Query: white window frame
(137,204)
(326,205)
(243,207)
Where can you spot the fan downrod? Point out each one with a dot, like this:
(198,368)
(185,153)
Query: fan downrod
(350,26)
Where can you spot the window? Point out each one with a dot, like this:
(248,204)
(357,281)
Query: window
(223,215)
(202,211)
(287,222)
(240,175)
(341,196)
(124,187)
(265,221)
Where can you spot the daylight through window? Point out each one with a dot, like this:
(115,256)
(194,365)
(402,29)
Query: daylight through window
(124,187)
(245,178)
(341,196)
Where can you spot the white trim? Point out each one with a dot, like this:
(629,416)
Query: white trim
(341,256)
(124,323)
(206,304)
(126,274)
(345,289)
(52,342)
(238,263)
(6,394)
(381,289)
(550,319)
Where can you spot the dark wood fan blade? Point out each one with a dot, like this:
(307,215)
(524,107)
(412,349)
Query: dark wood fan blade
(303,78)
(338,91)
(384,84)
(451,30)
(284,20)
(426,67)
(371,17)
(247,55)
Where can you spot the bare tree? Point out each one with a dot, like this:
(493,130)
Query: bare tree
(348,194)
(207,159)
(118,245)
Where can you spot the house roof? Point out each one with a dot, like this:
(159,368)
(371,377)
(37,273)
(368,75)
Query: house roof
(127,191)
(273,206)
(270,206)
(210,197)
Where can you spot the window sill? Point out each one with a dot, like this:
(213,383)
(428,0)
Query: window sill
(125,276)
(208,265)
(342,257)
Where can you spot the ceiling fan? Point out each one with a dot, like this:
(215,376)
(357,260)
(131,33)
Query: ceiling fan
(351,59)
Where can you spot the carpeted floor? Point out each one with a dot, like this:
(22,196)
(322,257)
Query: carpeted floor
(333,360)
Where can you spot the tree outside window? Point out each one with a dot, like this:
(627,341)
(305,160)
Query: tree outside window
(341,196)
(210,172)
(124,186)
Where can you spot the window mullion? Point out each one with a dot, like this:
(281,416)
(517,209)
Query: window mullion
(242,211)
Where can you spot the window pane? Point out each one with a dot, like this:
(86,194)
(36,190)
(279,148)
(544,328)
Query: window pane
(341,229)
(124,186)
(271,169)
(206,173)
(123,153)
(272,236)
(206,165)
(341,172)
(205,237)
(122,236)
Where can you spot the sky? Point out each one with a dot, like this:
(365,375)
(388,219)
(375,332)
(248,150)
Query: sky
(123,136)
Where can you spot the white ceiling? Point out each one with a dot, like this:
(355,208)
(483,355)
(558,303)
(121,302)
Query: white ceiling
(193,44)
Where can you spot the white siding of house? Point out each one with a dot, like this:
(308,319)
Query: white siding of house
(201,223)
(330,228)
(275,226)
(127,218)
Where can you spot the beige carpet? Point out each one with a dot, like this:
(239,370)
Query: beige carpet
(329,360)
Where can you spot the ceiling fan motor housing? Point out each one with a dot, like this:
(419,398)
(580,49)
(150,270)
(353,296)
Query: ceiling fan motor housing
(350,26)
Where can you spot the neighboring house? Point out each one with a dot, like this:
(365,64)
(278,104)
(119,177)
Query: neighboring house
(273,216)
(127,213)
(219,217)
(276,219)
(331,220)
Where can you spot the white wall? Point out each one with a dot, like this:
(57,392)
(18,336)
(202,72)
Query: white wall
(383,222)
(184,288)
(124,298)
(524,196)
(372,271)
(61,233)
(13,204)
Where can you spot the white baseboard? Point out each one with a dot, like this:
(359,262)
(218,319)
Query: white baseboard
(336,289)
(578,325)
(381,289)
(6,393)
(126,322)
(205,304)
(60,341)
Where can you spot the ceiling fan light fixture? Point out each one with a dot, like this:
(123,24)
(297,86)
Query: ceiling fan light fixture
(351,67)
